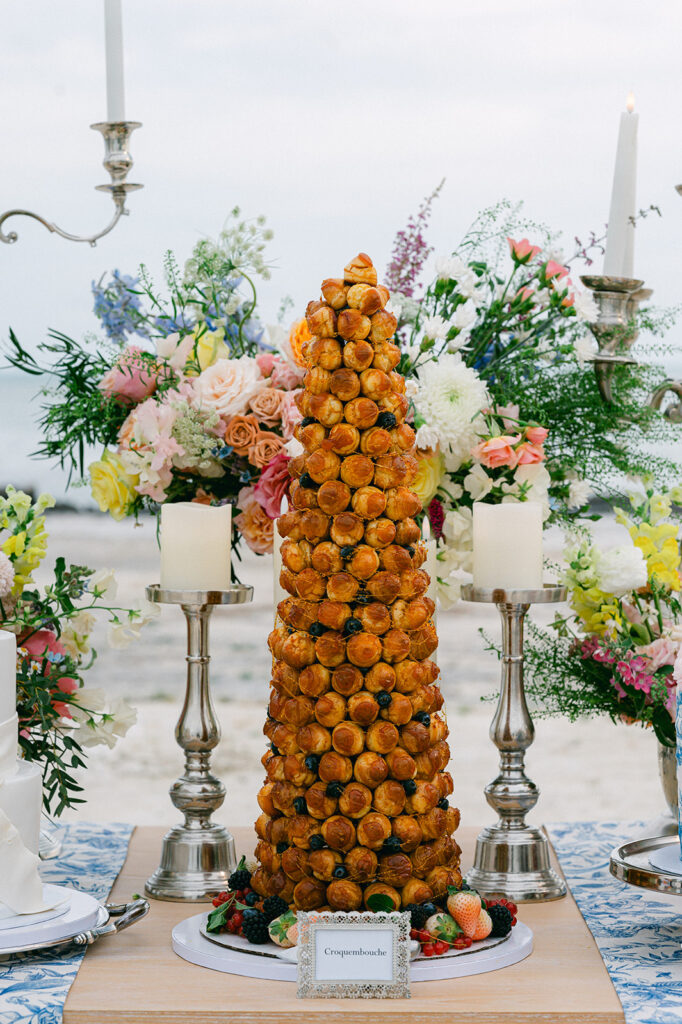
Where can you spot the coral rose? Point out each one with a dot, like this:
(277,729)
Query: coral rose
(132,378)
(266,405)
(253,522)
(536,435)
(228,385)
(497,451)
(241,433)
(291,414)
(273,484)
(266,446)
(522,251)
(528,454)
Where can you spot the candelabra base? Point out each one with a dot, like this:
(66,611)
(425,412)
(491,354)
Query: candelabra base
(515,864)
(195,864)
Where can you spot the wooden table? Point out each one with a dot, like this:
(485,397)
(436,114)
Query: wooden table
(137,977)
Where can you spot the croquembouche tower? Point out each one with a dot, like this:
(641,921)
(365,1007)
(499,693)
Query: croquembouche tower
(355,800)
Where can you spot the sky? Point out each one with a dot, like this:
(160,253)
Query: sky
(333,121)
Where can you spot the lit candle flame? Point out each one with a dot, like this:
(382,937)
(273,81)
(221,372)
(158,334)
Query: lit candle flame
(630,105)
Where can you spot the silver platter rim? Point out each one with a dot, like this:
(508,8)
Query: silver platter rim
(35,947)
(629,863)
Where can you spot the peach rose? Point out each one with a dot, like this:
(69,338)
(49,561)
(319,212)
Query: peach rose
(496,452)
(536,435)
(528,454)
(241,433)
(228,384)
(266,405)
(299,336)
(264,448)
(253,522)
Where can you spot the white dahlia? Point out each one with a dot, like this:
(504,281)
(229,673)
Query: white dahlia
(449,400)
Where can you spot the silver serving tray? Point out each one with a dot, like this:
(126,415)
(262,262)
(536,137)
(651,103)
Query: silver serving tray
(630,863)
(112,918)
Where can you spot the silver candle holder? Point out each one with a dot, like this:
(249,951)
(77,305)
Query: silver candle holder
(615,331)
(512,857)
(198,856)
(117,161)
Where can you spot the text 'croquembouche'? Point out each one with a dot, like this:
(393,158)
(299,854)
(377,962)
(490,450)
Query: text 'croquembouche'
(356,796)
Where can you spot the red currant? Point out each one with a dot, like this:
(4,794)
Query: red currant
(467,941)
(441,947)
(429,949)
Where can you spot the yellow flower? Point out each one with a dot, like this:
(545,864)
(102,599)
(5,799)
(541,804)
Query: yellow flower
(206,350)
(659,507)
(430,466)
(112,487)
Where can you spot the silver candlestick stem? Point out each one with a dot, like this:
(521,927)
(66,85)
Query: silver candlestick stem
(615,332)
(512,857)
(198,856)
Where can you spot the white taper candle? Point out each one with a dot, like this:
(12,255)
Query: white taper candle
(620,238)
(113,38)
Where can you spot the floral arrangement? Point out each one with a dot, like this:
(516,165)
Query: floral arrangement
(58,715)
(616,653)
(201,408)
(503,395)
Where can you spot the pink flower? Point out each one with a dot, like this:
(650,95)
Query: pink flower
(509,415)
(537,435)
(273,485)
(528,454)
(522,252)
(526,294)
(661,652)
(291,414)
(40,645)
(286,376)
(253,522)
(496,452)
(553,269)
(266,361)
(132,378)
(436,516)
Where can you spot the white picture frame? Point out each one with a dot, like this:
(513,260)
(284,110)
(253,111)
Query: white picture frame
(353,955)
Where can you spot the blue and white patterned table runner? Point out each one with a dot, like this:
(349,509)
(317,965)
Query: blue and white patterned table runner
(34,987)
(638,933)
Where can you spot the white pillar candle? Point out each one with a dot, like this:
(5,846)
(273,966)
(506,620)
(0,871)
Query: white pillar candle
(431,566)
(195,546)
(8,668)
(113,37)
(278,592)
(508,545)
(620,238)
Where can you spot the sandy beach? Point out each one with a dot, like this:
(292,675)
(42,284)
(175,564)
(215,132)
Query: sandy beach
(590,770)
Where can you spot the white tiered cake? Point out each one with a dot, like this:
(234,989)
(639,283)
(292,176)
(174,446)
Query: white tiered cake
(20,801)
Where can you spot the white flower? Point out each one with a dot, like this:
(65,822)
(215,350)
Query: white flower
(294,448)
(229,384)
(426,437)
(435,327)
(88,701)
(579,493)
(76,633)
(584,348)
(165,347)
(477,483)
(464,315)
(620,570)
(394,307)
(456,343)
(450,397)
(542,298)
(103,583)
(413,352)
(411,387)
(6,575)
(458,527)
(585,307)
(538,480)
(467,285)
(450,268)
(124,715)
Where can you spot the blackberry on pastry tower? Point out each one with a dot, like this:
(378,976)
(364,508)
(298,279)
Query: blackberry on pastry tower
(356,783)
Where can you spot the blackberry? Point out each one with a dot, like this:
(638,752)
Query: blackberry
(334,789)
(424,717)
(410,786)
(340,872)
(351,626)
(441,901)
(312,762)
(273,906)
(363,598)
(251,899)
(240,877)
(347,551)
(274,749)
(317,629)
(444,803)
(300,805)
(410,551)
(386,420)
(305,480)
(317,843)
(255,929)
(502,921)
(418,915)
(281,847)
(383,698)
(307,420)
(391,845)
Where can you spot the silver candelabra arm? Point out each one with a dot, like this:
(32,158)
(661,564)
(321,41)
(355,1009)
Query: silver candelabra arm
(117,161)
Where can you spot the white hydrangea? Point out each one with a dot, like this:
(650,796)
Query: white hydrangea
(620,570)
(449,399)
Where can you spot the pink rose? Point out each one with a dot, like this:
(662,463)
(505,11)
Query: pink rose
(496,452)
(528,454)
(286,376)
(132,378)
(522,252)
(525,294)
(266,361)
(553,269)
(537,435)
(291,414)
(661,652)
(273,485)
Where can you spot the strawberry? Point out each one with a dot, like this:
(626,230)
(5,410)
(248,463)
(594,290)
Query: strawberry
(465,907)
(484,926)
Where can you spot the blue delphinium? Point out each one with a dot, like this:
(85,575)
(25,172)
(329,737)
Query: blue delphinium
(118,307)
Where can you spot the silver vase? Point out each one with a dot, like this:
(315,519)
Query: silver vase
(667,771)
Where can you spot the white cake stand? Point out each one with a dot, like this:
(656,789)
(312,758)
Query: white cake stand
(260,962)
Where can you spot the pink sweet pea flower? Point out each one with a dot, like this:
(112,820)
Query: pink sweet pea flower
(522,252)
(553,269)
(536,435)
(131,379)
(527,454)
(496,452)
(286,376)
(266,362)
